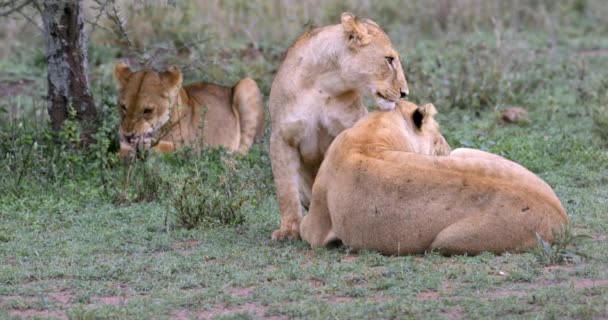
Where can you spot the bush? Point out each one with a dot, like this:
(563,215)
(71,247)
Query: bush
(199,204)
(600,109)
(220,189)
(600,117)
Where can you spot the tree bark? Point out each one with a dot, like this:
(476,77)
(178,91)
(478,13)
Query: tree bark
(66,52)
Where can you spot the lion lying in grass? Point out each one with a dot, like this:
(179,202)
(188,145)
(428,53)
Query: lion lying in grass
(156,111)
(391,184)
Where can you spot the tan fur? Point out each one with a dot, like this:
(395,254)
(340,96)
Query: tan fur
(389,187)
(155,110)
(316,94)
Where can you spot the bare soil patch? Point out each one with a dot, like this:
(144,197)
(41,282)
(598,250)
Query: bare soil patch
(600,237)
(560,268)
(187,246)
(338,299)
(579,284)
(427,295)
(64,298)
(593,52)
(241,292)
(257,310)
(519,290)
(316,282)
(31,313)
(453,314)
(110,300)
(348,259)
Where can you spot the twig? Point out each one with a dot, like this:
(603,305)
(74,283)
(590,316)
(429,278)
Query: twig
(101,9)
(115,17)
(15,7)
(36,5)
(30,20)
(27,159)
(95,25)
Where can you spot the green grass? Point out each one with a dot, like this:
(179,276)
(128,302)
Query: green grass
(77,241)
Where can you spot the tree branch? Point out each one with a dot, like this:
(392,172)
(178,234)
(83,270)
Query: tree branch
(30,20)
(115,17)
(14,7)
(100,11)
(37,6)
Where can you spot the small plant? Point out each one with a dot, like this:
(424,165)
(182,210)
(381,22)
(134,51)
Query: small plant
(215,194)
(143,180)
(563,249)
(101,150)
(600,117)
(199,204)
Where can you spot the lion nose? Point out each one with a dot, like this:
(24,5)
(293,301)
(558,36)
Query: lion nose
(404,93)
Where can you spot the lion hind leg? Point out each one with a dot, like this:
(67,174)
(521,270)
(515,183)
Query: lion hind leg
(483,232)
(248,102)
(316,227)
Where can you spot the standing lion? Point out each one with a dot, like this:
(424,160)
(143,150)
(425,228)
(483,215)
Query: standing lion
(316,94)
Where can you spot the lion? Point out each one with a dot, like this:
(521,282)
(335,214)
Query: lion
(316,94)
(156,111)
(392,184)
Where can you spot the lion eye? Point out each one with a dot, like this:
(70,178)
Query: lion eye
(390,60)
(147,111)
(123,108)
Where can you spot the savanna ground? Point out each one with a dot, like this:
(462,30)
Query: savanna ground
(188,235)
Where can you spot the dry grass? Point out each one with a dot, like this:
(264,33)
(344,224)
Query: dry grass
(280,21)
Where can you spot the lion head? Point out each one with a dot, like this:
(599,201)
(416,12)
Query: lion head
(372,61)
(421,122)
(145,100)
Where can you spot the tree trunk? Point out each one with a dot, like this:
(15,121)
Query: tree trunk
(66,52)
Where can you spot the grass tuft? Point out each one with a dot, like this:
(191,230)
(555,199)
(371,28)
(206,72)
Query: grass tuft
(564,248)
(219,191)
(600,118)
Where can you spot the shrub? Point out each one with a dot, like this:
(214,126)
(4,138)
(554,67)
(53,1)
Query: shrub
(199,204)
(600,109)
(563,249)
(600,117)
(220,188)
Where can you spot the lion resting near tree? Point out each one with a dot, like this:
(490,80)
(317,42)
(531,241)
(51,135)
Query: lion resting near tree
(156,111)
(391,184)
(316,94)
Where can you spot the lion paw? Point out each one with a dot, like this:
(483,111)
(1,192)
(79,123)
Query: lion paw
(285,234)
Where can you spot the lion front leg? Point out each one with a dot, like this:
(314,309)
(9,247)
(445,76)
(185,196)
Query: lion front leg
(285,164)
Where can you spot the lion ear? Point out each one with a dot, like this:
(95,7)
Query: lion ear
(356,32)
(172,76)
(423,114)
(122,72)
(429,110)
